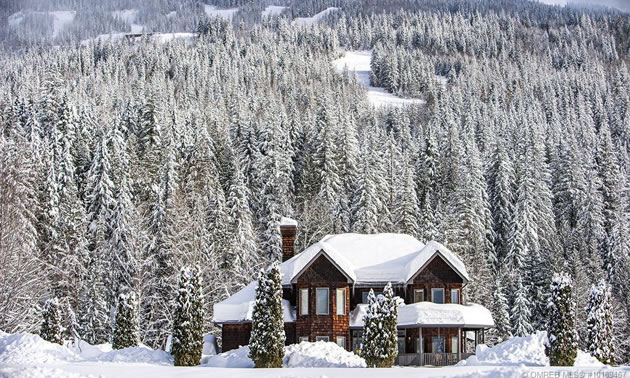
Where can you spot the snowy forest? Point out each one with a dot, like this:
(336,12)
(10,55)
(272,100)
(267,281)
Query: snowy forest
(123,161)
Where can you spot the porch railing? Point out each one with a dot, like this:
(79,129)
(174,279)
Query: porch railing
(430,359)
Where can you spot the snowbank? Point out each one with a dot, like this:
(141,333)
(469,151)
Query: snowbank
(304,355)
(584,359)
(527,350)
(139,354)
(29,349)
(210,348)
(320,355)
(237,358)
(517,351)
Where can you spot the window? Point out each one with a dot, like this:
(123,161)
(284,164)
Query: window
(418,295)
(357,340)
(455,296)
(437,295)
(321,338)
(303,301)
(401,342)
(341,302)
(437,344)
(304,339)
(364,295)
(341,341)
(321,306)
(454,344)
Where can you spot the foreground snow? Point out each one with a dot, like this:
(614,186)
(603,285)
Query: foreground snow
(358,62)
(27,355)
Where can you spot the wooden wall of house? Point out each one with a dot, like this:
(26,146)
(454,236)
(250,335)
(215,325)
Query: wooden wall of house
(238,334)
(438,274)
(323,274)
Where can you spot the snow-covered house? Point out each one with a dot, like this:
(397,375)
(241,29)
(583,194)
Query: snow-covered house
(326,287)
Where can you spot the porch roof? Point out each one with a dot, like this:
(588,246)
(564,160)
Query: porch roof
(428,314)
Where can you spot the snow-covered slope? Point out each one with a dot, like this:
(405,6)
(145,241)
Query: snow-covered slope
(129,16)
(313,19)
(213,11)
(358,62)
(273,10)
(61,18)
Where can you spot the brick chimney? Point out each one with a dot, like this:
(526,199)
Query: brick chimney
(288,229)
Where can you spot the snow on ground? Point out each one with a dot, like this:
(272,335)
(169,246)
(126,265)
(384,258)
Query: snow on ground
(528,351)
(171,14)
(313,19)
(213,11)
(320,354)
(16,18)
(358,62)
(27,355)
(60,19)
(584,359)
(273,10)
(129,16)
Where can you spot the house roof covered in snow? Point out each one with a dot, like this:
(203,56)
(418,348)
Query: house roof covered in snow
(364,259)
(428,314)
(370,259)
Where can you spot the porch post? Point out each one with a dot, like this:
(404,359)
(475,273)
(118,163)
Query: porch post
(459,344)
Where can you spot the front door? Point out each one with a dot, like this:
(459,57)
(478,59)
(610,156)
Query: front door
(401,342)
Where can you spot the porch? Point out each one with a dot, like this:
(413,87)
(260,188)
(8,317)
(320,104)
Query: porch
(437,346)
(430,359)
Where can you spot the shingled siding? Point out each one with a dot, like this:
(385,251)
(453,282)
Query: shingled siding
(323,274)
(236,335)
(438,274)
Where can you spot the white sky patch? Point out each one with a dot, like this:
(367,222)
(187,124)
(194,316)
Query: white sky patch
(358,62)
(273,10)
(313,19)
(213,11)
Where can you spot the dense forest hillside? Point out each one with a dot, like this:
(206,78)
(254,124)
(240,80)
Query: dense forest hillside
(123,160)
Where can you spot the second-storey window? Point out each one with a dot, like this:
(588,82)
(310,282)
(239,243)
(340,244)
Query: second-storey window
(303,301)
(455,296)
(341,301)
(437,295)
(321,305)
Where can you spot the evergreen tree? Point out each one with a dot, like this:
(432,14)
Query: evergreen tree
(188,319)
(561,332)
(599,338)
(266,343)
(51,329)
(380,335)
(126,332)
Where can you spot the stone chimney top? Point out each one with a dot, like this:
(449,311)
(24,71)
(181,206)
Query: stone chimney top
(288,229)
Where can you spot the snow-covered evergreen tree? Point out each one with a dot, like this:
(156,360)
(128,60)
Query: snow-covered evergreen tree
(126,333)
(380,334)
(51,329)
(266,343)
(561,332)
(188,320)
(600,338)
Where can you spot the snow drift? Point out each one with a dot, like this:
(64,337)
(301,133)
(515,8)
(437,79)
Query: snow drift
(320,354)
(304,355)
(518,351)
(30,349)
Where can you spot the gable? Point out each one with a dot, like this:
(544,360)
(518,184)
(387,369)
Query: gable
(321,269)
(437,270)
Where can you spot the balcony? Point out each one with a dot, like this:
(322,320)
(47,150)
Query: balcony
(430,359)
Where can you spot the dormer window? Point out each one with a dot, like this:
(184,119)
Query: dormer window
(437,295)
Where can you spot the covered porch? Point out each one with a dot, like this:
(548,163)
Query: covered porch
(437,346)
(431,334)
